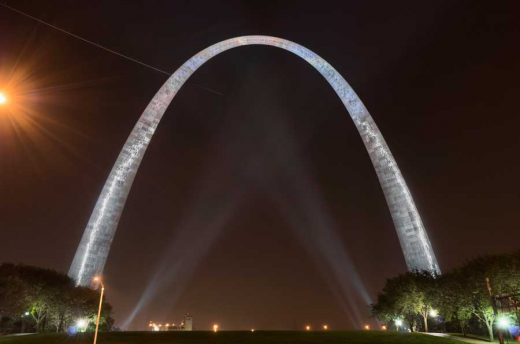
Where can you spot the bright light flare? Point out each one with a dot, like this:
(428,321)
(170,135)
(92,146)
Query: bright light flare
(367,327)
(81,325)
(3,98)
(398,322)
(215,328)
(434,313)
(325,327)
(308,328)
(503,322)
(383,328)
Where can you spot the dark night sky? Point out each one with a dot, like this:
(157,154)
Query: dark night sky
(233,183)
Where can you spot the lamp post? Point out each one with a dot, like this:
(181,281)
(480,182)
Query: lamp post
(97,279)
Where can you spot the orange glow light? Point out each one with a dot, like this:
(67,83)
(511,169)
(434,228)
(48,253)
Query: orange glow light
(3,98)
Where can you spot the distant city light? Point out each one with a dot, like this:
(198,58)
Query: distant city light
(503,322)
(252,330)
(325,327)
(383,328)
(3,98)
(434,313)
(366,327)
(215,327)
(307,327)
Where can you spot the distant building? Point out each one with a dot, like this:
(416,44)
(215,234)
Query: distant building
(185,325)
(188,322)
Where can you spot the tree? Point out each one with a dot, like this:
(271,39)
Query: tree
(461,295)
(50,297)
(408,296)
(453,300)
(504,273)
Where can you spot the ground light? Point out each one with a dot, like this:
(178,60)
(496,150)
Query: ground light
(81,325)
(398,324)
(503,322)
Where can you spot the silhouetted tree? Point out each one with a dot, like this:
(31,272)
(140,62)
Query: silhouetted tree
(409,296)
(49,297)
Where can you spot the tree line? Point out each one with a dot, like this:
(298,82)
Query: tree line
(461,300)
(34,299)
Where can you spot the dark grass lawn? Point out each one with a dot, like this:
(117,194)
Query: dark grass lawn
(231,337)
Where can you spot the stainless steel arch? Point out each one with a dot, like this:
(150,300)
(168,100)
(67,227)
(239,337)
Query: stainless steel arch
(95,244)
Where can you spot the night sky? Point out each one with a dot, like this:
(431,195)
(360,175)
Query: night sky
(256,153)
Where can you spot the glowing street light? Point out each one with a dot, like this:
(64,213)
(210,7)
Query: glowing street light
(383,328)
(398,324)
(81,325)
(503,322)
(434,313)
(325,327)
(215,328)
(307,327)
(367,327)
(3,98)
(99,281)
(252,330)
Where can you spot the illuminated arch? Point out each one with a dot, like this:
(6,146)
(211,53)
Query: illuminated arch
(95,244)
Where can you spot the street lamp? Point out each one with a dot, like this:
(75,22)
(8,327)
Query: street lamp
(3,98)
(503,322)
(81,325)
(398,324)
(99,281)
(434,313)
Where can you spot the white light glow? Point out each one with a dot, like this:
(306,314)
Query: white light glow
(81,325)
(503,322)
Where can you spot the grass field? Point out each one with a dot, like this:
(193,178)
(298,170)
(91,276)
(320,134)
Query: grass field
(230,337)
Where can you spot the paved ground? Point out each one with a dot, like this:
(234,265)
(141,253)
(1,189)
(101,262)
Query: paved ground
(459,338)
